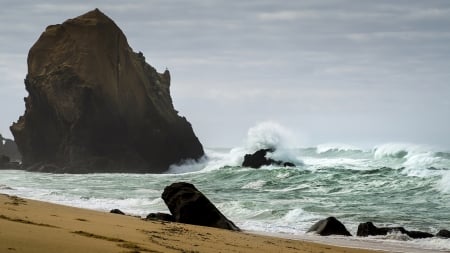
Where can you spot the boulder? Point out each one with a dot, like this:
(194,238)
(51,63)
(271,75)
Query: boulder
(444,233)
(418,234)
(369,229)
(189,205)
(160,216)
(117,211)
(329,226)
(94,105)
(258,159)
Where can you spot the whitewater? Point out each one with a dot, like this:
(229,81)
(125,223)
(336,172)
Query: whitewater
(394,184)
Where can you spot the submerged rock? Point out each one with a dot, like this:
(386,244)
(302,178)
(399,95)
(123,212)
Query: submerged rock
(418,234)
(369,229)
(189,205)
(258,159)
(444,233)
(96,106)
(329,226)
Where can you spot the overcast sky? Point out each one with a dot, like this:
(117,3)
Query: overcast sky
(360,72)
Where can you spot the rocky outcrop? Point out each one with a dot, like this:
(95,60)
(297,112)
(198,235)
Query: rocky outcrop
(9,155)
(443,233)
(9,148)
(117,211)
(96,106)
(369,229)
(6,164)
(329,226)
(259,159)
(189,205)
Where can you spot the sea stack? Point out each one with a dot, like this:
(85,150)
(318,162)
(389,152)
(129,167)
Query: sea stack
(94,105)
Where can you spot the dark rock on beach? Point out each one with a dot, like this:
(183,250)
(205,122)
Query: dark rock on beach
(443,233)
(329,226)
(160,216)
(189,205)
(369,229)
(259,159)
(117,211)
(94,105)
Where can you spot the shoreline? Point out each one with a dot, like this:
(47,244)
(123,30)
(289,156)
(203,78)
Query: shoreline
(36,226)
(367,243)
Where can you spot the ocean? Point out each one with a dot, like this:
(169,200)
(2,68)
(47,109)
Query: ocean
(394,184)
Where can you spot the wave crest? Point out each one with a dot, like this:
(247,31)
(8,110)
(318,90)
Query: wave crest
(271,135)
(335,147)
(394,150)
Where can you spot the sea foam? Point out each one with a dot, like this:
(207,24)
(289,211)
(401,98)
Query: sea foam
(335,147)
(444,183)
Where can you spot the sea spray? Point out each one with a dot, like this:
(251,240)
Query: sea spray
(444,183)
(335,147)
(266,135)
(270,135)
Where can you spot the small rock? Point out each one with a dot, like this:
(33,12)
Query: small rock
(117,211)
(160,216)
(444,233)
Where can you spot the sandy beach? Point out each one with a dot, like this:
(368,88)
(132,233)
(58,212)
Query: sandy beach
(35,226)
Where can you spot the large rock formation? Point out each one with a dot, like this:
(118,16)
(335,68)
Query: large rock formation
(189,205)
(96,106)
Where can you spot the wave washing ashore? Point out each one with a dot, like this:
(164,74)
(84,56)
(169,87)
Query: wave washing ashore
(391,185)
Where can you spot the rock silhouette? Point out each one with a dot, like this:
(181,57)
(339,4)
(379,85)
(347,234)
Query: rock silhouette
(189,205)
(444,233)
(259,159)
(369,229)
(94,105)
(117,211)
(329,226)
